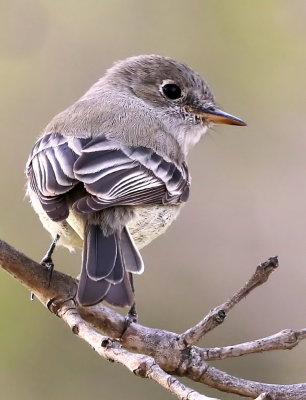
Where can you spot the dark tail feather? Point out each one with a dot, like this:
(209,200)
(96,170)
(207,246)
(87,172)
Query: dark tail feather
(90,291)
(101,253)
(130,253)
(117,274)
(121,295)
(107,261)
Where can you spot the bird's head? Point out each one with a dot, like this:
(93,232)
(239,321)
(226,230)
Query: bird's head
(175,93)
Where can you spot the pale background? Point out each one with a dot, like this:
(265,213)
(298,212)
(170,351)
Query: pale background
(248,198)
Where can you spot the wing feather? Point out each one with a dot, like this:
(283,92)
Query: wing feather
(50,172)
(112,174)
(117,174)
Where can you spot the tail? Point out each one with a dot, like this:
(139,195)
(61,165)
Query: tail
(106,265)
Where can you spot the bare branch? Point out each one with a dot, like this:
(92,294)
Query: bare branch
(217,315)
(159,353)
(284,340)
(228,383)
(141,365)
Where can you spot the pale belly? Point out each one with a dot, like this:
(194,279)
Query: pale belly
(148,223)
(152,221)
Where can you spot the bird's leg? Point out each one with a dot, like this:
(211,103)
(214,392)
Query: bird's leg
(132,315)
(47,261)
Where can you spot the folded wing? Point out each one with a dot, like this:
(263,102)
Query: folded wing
(50,172)
(112,174)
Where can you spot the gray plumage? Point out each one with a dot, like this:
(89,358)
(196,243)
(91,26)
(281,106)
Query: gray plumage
(109,173)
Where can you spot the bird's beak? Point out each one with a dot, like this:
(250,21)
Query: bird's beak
(217,116)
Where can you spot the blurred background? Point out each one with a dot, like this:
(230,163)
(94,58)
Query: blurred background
(248,198)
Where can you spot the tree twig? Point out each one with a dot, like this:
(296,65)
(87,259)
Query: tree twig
(140,364)
(159,353)
(217,315)
(284,340)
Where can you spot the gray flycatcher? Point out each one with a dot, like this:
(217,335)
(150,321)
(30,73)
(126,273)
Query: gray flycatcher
(109,173)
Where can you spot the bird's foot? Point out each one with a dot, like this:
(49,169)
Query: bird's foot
(48,264)
(132,315)
(47,261)
(130,318)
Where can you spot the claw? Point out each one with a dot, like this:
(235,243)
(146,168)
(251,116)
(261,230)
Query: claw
(47,262)
(132,314)
(130,318)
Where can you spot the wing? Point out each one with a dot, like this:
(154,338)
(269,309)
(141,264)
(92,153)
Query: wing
(50,172)
(115,174)
(111,173)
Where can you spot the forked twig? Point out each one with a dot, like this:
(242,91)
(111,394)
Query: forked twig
(217,315)
(154,353)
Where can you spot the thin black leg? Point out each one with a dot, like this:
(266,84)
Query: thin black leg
(47,261)
(132,315)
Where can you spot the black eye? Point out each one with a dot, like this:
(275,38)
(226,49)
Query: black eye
(172,91)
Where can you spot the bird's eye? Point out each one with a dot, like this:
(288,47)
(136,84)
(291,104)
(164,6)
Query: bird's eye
(172,91)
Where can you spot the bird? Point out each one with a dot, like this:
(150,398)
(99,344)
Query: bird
(109,173)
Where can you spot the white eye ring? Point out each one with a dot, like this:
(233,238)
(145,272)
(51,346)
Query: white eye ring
(170,90)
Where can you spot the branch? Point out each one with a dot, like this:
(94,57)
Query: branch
(284,340)
(216,316)
(159,353)
(59,297)
(141,365)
